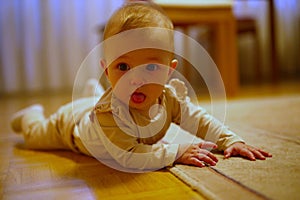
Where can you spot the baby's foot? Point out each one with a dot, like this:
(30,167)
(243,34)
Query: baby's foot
(16,119)
(92,88)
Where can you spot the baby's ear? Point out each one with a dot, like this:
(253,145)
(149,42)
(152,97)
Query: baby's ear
(173,65)
(103,65)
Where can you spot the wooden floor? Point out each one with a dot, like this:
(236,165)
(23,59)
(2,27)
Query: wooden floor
(26,174)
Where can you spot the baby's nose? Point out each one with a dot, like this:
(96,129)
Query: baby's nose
(137,81)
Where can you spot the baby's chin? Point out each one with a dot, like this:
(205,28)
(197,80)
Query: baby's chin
(139,106)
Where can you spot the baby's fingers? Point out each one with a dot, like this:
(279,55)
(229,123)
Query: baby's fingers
(252,153)
(229,152)
(212,156)
(233,151)
(264,153)
(208,157)
(258,155)
(196,162)
(247,154)
(207,160)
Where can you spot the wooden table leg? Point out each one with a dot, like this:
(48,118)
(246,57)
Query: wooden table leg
(225,54)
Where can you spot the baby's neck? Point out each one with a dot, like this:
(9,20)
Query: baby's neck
(151,111)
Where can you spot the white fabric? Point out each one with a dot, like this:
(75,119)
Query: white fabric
(104,138)
(42,43)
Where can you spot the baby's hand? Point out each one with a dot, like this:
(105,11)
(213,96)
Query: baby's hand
(246,151)
(197,154)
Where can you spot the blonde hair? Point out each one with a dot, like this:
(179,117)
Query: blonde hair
(136,15)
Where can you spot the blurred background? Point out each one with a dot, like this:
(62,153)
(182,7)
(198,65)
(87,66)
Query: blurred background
(43,42)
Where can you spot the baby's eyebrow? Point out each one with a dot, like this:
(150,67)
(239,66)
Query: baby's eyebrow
(150,58)
(154,59)
(123,56)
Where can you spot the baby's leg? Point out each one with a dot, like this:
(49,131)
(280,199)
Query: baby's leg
(38,132)
(55,132)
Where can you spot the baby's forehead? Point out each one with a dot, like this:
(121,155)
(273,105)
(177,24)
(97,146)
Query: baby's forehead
(135,39)
(147,54)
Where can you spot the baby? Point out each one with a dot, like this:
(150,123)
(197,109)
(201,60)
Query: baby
(126,125)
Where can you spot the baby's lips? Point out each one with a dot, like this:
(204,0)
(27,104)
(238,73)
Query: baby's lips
(137,97)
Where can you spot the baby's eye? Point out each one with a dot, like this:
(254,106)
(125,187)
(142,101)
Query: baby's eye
(123,67)
(152,67)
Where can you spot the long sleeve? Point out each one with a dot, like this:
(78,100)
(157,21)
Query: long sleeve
(206,126)
(196,120)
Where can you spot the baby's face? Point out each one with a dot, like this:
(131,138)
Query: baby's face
(138,77)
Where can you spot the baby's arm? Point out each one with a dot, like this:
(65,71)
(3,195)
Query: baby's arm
(209,128)
(213,130)
(197,154)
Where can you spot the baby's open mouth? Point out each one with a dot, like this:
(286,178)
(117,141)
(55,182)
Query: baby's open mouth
(138,97)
